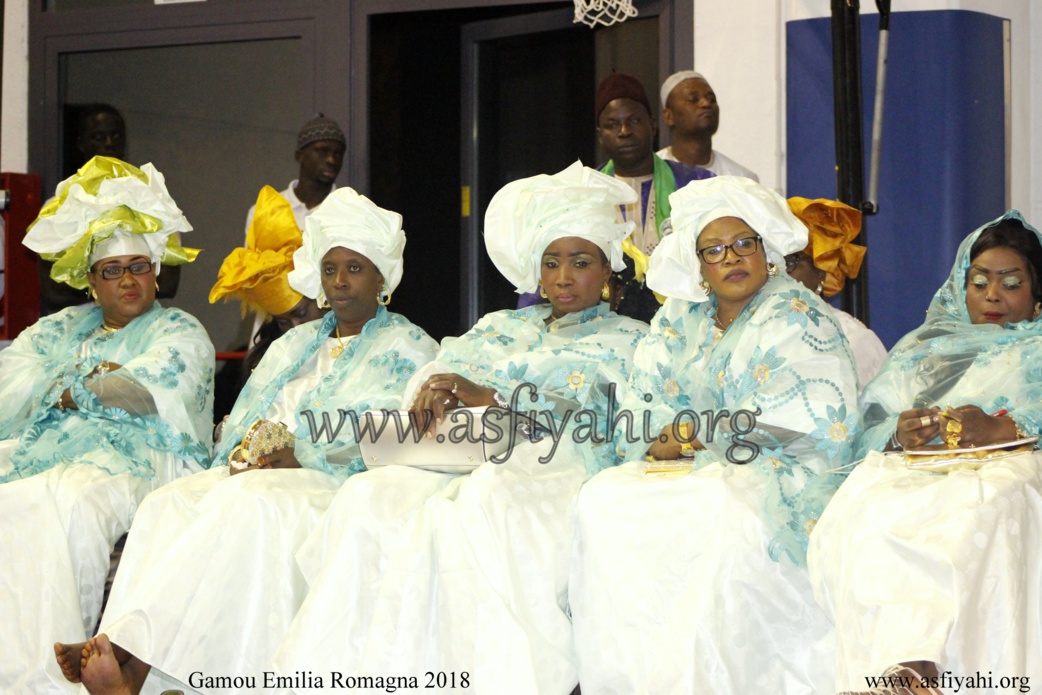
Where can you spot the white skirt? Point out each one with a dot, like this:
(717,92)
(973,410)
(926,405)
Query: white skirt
(57,531)
(444,577)
(913,565)
(672,590)
(208,583)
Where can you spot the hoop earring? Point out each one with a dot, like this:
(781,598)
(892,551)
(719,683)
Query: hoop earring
(542,292)
(705,287)
(772,269)
(605,292)
(383,297)
(157,285)
(321,300)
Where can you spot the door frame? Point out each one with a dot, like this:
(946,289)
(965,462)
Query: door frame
(676,23)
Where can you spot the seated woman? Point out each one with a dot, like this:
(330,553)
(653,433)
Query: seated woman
(943,569)
(257,276)
(207,584)
(415,571)
(101,404)
(696,584)
(824,266)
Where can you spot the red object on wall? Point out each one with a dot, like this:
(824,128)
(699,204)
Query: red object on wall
(20,306)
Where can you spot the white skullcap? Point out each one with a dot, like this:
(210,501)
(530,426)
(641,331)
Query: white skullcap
(675,270)
(346,218)
(109,208)
(673,80)
(527,215)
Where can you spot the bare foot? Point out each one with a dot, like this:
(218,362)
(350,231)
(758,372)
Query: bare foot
(101,673)
(70,658)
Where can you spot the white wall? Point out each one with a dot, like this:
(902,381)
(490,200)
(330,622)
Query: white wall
(14,102)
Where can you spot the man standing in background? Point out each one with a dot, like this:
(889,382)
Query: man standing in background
(320,152)
(690,110)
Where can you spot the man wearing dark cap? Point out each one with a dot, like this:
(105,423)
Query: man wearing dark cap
(626,131)
(320,152)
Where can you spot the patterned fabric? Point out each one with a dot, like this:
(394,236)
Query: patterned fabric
(572,363)
(167,364)
(370,374)
(950,359)
(783,359)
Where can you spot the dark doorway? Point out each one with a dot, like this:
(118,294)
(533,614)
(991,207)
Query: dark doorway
(529,75)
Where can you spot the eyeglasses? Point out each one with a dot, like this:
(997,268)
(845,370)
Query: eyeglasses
(115,272)
(792,261)
(745,246)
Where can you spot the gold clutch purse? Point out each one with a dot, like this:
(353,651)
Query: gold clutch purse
(262,438)
(941,459)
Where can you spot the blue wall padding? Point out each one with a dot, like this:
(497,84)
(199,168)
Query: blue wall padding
(942,169)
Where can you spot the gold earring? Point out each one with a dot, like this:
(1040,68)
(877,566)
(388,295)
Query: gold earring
(321,300)
(772,269)
(542,292)
(157,285)
(383,297)
(1038,310)
(92,293)
(606,292)
(705,287)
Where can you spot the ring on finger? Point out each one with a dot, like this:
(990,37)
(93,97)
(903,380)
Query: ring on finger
(926,421)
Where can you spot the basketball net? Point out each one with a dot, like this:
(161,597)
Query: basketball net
(606,12)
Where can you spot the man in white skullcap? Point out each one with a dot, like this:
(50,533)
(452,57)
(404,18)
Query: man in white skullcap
(690,109)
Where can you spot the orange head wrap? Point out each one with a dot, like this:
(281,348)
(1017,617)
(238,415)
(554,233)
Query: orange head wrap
(832,226)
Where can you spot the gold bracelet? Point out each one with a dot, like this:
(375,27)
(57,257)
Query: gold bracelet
(1020,432)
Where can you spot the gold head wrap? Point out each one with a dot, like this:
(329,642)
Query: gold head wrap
(107,198)
(833,225)
(256,275)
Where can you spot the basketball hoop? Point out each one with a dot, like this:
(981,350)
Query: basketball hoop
(606,12)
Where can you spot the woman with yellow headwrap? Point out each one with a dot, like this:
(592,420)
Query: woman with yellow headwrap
(102,404)
(257,275)
(824,266)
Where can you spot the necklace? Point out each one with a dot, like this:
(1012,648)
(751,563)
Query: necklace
(720,325)
(338,349)
(108,329)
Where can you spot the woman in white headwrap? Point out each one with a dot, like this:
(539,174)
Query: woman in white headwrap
(696,582)
(207,583)
(415,571)
(101,404)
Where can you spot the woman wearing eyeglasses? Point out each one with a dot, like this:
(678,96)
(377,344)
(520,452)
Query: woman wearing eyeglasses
(696,582)
(101,404)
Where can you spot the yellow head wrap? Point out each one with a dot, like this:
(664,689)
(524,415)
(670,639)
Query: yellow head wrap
(256,275)
(104,197)
(833,225)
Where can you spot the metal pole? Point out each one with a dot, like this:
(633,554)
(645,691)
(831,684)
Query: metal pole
(850,183)
(871,206)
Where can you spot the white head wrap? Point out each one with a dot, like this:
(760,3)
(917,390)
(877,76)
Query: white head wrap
(527,215)
(675,270)
(108,221)
(346,218)
(673,80)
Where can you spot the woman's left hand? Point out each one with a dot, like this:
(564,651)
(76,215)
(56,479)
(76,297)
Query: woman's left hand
(444,392)
(973,427)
